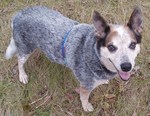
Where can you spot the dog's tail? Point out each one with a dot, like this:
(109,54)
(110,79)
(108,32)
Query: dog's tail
(11,49)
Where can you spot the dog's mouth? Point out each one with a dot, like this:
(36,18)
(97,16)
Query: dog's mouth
(125,76)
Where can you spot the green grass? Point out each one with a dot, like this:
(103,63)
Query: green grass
(51,90)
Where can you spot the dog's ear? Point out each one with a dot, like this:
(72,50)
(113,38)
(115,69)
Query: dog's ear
(135,21)
(100,24)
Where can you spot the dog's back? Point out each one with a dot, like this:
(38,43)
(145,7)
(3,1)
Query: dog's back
(48,28)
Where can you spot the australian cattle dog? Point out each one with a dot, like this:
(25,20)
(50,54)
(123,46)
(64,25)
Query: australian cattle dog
(94,52)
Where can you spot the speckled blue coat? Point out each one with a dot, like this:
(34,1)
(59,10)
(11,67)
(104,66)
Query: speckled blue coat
(40,27)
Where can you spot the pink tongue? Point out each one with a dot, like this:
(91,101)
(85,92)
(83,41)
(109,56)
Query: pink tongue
(124,75)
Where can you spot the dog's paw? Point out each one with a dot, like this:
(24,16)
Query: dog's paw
(106,81)
(88,107)
(23,78)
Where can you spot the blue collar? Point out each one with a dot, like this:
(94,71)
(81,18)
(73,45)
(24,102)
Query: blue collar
(63,45)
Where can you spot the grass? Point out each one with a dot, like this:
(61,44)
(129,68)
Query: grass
(51,90)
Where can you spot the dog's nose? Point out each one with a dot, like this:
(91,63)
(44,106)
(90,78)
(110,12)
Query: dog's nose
(126,67)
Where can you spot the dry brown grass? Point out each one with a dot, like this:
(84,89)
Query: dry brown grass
(51,90)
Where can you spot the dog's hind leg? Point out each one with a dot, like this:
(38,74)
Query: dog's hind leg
(22,74)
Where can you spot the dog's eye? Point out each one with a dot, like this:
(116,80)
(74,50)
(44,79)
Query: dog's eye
(132,45)
(112,48)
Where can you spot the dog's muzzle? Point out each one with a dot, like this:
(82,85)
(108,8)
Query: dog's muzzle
(125,71)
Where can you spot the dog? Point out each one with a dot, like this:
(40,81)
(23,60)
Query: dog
(94,52)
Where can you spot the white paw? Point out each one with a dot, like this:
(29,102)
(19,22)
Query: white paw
(23,78)
(88,107)
(106,81)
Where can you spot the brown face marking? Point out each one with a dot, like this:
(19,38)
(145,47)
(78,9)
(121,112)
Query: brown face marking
(111,35)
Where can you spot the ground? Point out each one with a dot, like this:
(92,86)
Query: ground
(52,90)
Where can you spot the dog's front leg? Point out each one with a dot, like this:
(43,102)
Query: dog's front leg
(84,97)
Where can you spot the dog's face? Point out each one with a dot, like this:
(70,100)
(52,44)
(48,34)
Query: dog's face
(120,43)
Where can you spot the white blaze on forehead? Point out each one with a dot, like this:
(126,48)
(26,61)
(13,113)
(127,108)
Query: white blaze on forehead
(123,36)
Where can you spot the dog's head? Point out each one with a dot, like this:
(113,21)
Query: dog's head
(119,43)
